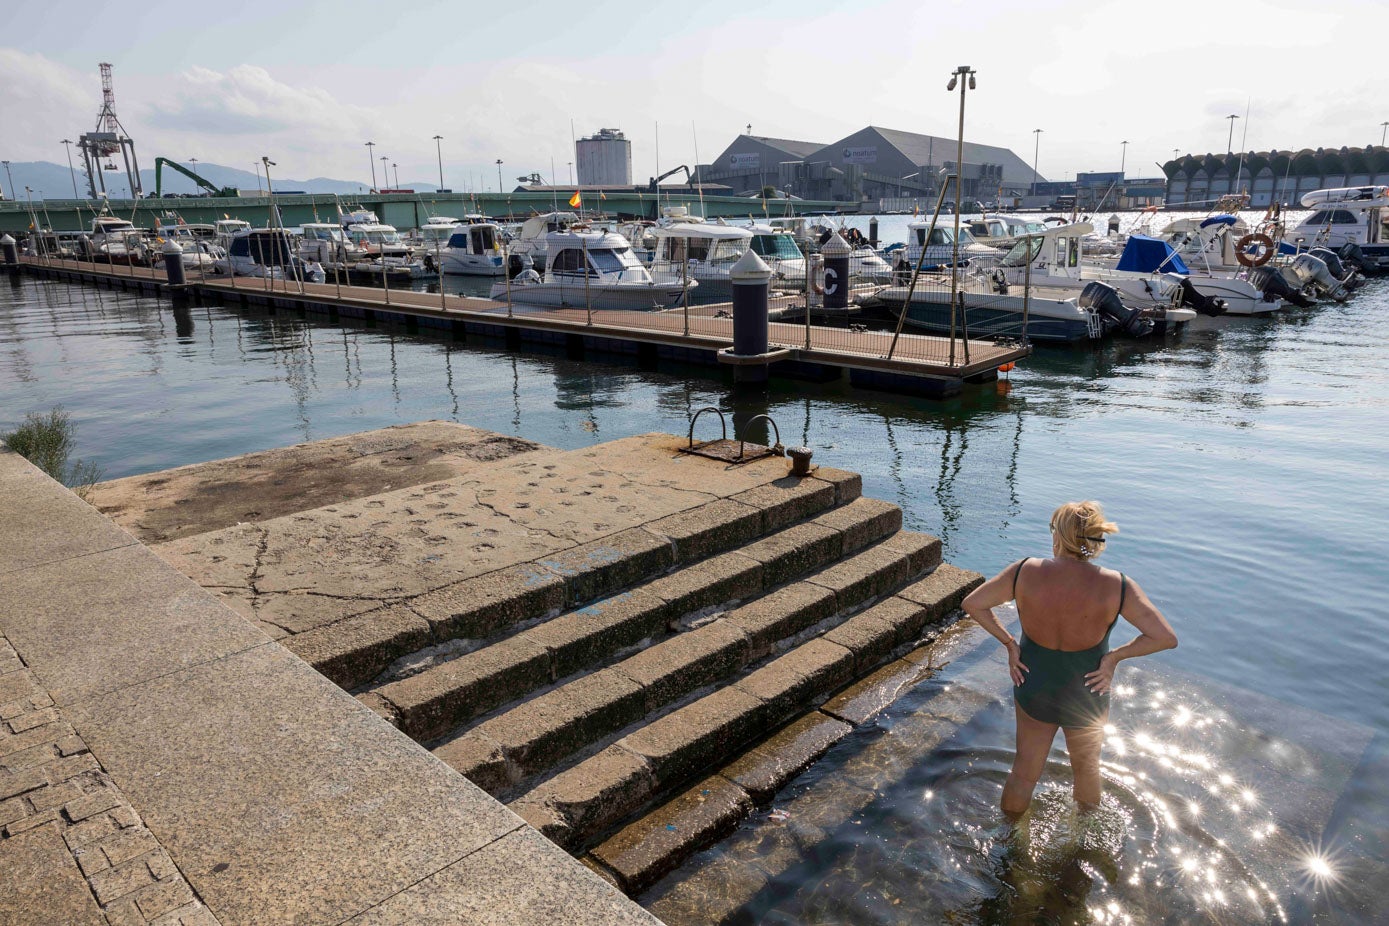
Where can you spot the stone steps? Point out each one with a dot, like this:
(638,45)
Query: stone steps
(581,801)
(536,735)
(644,850)
(356,650)
(430,704)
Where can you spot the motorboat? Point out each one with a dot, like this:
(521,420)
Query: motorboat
(782,255)
(267,252)
(1000,230)
(225,229)
(701,251)
(1148,273)
(530,241)
(325,243)
(382,243)
(1353,221)
(200,248)
(591,269)
(114,240)
(993,310)
(941,249)
(472,250)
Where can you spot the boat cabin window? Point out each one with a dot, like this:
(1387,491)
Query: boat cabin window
(569,260)
(1332,217)
(484,238)
(940,236)
(780,247)
(1067,252)
(1023,251)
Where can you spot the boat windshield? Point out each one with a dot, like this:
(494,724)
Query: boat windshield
(436,234)
(781,247)
(323,234)
(1022,252)
(376,237)
(612,260)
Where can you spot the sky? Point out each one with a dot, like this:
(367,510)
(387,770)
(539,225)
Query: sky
(309,83)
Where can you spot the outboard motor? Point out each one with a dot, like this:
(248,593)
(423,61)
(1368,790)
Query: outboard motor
(1204,305)
(517,264)
(1348,276)
(1105,300)
(1351,255)
(1270,282)
(1313,270)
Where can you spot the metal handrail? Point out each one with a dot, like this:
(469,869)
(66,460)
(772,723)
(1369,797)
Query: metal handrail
(722,421)
(775,448)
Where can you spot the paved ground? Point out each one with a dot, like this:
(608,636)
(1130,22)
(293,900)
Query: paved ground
(162,760)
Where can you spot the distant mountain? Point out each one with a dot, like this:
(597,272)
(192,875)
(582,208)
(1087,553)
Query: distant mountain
(53,181)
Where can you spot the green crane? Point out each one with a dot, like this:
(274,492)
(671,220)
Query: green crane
(200,181)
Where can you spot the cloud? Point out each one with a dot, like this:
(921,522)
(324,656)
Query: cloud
(42,102)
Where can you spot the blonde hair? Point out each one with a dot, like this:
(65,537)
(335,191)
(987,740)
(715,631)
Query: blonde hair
(1080,529)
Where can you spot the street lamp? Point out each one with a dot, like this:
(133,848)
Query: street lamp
(1123,158)
(499,175)
(396,169)
(9,181)
(67,146)
(439,150)
(371,159)
(571,173)
(966,72)
(1385,126)
(1036,146)
(384,174)
(1230,142)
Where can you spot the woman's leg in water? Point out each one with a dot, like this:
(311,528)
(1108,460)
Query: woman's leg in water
(1083,745)
(1034,742)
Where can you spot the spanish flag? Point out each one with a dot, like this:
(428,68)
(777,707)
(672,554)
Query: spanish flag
(577,200)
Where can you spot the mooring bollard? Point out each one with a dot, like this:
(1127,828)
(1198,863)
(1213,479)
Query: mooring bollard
(9,248)
(873,233)
(800,460)
(836,252)
(173,263)
(750,279)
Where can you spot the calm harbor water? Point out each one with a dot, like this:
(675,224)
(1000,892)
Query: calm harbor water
(1244,460)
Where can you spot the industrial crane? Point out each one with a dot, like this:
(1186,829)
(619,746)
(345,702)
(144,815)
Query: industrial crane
(655,181)
(108,138)
(200,181)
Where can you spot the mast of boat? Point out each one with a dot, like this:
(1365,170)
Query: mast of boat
(1244,136)
(554,193)
(695,135)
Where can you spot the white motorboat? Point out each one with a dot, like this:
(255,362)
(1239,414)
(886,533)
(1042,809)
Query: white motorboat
(325,243)
(1353,221)
(530,242)
(472,250)
(225,229)
(591,269)
(1001,230)
(115,240)
(701,251)
(1149,273)
(778,248)
(267,252)
(993,309)
(200,250)
(938,242)
(381,243)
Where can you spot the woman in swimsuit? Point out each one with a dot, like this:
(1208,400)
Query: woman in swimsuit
(1063,668)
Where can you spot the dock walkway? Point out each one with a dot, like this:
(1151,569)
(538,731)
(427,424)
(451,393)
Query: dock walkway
(918,363)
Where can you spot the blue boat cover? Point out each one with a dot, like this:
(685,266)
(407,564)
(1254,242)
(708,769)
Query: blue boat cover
(1225,219)
(1150,255)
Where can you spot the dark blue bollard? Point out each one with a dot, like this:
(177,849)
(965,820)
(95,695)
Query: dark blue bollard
(836,252)
(750,276)
(873,233)
(9,250)
(173,263)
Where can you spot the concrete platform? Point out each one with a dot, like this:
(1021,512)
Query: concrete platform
(162,760)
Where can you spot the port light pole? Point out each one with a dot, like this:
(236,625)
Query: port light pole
(963,76)
(1230,141)
(67,146)
(1036,146)
(499,176)
(1123,158)
(371,159)
(439,151)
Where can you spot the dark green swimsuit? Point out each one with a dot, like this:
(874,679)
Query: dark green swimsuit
(1053,689)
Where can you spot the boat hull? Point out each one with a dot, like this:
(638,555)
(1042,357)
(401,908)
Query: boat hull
(990,315)
(601,297)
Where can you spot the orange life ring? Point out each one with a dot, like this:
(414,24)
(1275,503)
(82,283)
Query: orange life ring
(1265,253)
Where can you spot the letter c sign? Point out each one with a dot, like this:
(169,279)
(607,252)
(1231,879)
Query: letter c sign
(831,281)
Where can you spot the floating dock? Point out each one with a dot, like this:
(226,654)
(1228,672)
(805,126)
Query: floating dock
(917,364)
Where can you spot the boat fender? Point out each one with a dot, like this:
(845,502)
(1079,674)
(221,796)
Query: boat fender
(1271,283)
(1104,299)
(1261,257)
